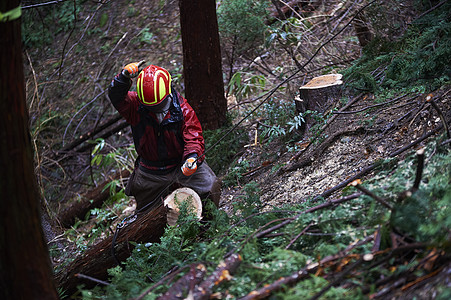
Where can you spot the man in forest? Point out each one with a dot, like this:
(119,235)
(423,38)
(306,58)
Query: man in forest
(167,135)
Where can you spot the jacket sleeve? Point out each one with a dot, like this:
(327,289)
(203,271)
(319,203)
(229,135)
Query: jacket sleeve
(192,132)
(124,101)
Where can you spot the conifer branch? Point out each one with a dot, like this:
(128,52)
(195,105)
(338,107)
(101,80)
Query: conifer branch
(372,195)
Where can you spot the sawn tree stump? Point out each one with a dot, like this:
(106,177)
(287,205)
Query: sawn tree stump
(319,94)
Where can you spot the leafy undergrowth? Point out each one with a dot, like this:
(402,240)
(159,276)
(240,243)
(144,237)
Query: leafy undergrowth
(359,245)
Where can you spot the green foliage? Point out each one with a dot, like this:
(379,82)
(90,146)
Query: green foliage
(243,85)
(40,26)
(422,57)
(222,154)
(235,173)
(122,158)
(308,288)
(241,23)
(146,36)
(103,19)
(425,217)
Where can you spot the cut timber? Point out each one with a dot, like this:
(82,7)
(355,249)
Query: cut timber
(319,93)
(97,259)
(175,200)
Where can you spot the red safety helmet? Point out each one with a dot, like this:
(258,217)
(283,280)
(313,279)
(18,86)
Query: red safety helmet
(153,85)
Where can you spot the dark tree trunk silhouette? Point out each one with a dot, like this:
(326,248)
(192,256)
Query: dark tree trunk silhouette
(204,86)
(24,259)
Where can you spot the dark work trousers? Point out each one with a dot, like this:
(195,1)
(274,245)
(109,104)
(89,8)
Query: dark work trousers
(150,189)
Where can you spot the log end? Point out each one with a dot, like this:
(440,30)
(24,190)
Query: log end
(323,81)
(177,198)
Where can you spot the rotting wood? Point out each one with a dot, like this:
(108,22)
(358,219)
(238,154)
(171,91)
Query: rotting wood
(97,259)
(92,199)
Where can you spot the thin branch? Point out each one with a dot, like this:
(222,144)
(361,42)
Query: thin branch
(299,235)
(373,106)
(79,275)
(372,195)
(439,111)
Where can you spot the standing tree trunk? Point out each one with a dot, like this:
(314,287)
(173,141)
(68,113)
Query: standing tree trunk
(204,85)
(24,259)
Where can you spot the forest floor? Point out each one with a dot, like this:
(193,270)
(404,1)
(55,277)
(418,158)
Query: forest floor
(353,141)
(327,154)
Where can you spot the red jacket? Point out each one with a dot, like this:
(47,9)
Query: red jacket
(160,146)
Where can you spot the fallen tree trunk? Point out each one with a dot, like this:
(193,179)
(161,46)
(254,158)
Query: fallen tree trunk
(92,199)
(148,227)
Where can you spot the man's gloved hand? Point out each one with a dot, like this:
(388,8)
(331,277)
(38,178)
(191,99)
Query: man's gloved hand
(189,167)
(132,70)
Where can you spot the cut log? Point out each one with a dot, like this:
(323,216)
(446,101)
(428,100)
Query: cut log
(222,273)
(148,227)
(319,93)
(194,286)
(92,199)
(177,198)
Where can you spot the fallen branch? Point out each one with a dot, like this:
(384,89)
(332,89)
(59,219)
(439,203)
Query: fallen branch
(204,290)
(371,194)
(105,135)
(329,121)
(185,284)
(328,261)
(92,199)
(304,273)
(370,168)
(420,167)
(90,134)
(439,111)
(287,221)
(318,151)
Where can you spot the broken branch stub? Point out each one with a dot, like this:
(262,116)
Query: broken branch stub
(319,93)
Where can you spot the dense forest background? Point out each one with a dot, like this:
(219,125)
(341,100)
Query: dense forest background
(348,200)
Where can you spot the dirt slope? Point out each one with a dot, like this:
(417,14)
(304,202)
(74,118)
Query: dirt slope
(351,143)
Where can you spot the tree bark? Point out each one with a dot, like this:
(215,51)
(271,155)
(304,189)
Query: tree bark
(92,199)
(319,93)
(95,262)
(204,86)
(362,31)
(24,259)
